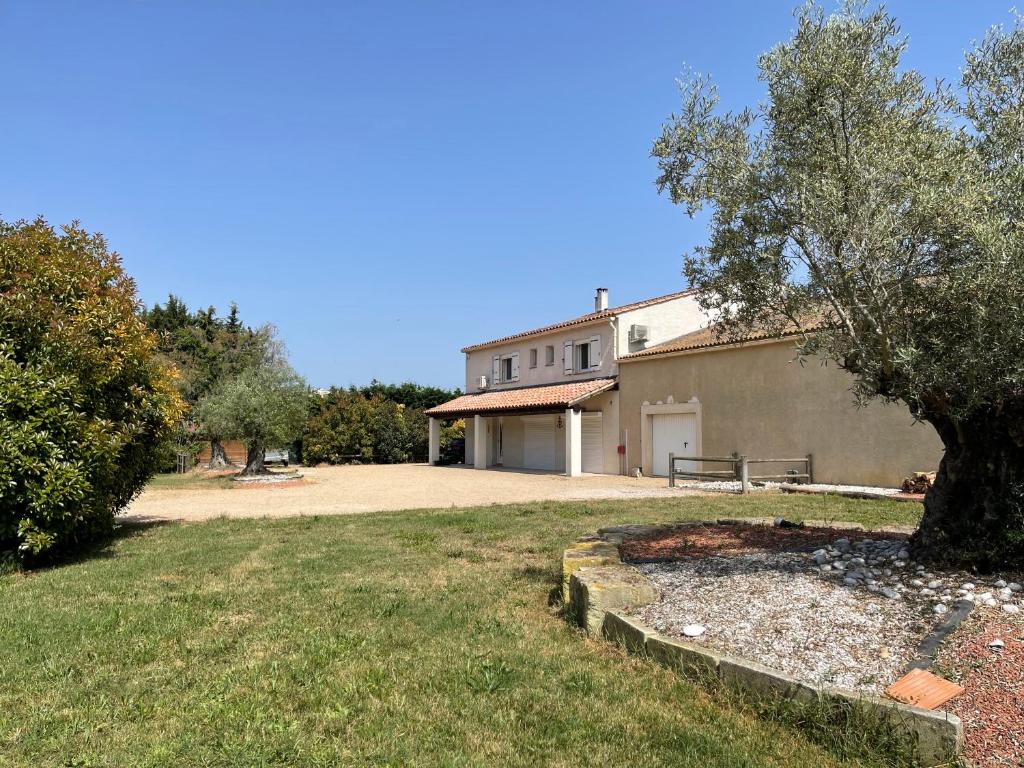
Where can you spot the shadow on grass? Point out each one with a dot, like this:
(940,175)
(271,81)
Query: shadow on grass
(102,548)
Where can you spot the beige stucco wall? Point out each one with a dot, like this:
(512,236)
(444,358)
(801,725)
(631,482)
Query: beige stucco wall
(664,321)
(479,363)
(756,400)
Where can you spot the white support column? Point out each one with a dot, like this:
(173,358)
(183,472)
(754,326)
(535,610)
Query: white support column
(573,443)
(434,451)
(480,442)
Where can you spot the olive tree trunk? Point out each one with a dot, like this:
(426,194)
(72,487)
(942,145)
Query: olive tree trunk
(254,459)
(974,512)
(218,458)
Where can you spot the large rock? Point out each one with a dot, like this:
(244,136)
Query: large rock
(594,592)
(586,554)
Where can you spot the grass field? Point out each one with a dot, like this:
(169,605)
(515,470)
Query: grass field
(411,638)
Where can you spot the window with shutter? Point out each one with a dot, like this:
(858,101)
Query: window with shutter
(496,370)
(595,353)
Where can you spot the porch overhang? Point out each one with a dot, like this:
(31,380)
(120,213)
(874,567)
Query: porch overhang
(546,398)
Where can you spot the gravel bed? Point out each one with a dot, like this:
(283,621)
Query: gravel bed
(868,489)
(766,607)
(848,611)
(725,485)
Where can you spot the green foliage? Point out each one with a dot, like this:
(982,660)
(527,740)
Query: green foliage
(264,405)
(203,347)
(857,206)
(378,423)
(85,401)
(880,217)
(409,394)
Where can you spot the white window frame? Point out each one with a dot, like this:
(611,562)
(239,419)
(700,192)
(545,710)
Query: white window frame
(593,345)
(502,363)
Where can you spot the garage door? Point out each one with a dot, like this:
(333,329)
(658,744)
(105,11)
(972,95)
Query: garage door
(539,442)
(592,453)
(673,433)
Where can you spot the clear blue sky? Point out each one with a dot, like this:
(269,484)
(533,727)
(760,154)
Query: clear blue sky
(385,182)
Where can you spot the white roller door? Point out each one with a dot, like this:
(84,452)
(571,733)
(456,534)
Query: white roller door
(593,443)
(539,442)
(673,433)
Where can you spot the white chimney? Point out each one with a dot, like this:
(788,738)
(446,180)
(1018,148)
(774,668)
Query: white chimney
(601,300)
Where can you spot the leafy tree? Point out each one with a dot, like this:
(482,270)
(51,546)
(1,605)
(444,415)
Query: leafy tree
(410,394)
(881,216)
(377,423)
(264,406)
(84,398)
(206,349)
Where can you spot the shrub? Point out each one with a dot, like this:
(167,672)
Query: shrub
(84,403)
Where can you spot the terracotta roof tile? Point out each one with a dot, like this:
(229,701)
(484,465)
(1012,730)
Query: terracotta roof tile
(523,399)
(588,318)
(705,338)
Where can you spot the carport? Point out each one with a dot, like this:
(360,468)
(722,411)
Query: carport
(548,427)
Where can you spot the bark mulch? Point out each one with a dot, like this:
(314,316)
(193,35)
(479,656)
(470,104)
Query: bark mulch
(731,540)
(992,705)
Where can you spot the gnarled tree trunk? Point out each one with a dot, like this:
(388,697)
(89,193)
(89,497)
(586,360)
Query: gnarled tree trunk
(218,458)
(254,459)
(974,512)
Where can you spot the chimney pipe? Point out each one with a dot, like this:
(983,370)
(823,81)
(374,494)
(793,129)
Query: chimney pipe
(601,300)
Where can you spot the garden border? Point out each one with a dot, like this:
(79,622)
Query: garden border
(598,588)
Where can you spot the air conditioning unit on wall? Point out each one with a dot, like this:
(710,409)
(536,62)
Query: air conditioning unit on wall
(637,334)
(481,382)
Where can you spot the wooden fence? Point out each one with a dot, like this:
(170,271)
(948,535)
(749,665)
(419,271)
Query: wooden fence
(739,469)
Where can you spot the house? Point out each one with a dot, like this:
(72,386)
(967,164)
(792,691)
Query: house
(619,389)
(701,395)
(545,399)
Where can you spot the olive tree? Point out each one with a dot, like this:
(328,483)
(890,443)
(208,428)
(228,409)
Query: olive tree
(880,216)
(85,401)
(264,406)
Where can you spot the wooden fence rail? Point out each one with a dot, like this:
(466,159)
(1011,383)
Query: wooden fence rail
(739,469)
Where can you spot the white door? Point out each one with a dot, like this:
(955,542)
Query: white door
(593,443)
(539,442)
(673,433)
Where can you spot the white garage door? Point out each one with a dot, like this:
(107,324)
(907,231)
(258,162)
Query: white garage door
(673,433)
(593,443)
(539,442)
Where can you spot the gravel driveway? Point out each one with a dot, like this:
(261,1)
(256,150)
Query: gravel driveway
(352,489)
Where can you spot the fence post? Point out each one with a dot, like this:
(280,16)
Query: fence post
(810,470)
(671,470)
(744,475)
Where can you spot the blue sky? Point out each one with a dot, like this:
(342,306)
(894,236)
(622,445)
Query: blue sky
(384,181)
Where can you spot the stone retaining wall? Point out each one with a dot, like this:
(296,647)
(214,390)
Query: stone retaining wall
(600,590)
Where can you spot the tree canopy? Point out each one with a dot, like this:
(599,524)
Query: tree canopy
(880,215)
(85,400)
(265,406)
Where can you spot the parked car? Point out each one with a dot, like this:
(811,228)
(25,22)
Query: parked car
(453,453)
(276,456)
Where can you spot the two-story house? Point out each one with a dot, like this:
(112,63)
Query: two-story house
(617,390)
(546,399)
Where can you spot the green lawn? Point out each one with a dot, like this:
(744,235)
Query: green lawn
(414,638)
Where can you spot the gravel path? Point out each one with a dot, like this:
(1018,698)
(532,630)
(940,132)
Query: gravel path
(766,607)
(373,488)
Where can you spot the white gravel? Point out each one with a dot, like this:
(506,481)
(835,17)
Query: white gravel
(869,489)
(769,608)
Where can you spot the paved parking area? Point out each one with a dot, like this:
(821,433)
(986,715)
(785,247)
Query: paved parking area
(352,489)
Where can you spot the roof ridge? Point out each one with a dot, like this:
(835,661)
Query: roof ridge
(581,319)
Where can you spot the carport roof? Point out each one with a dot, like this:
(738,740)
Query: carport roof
(525,399)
